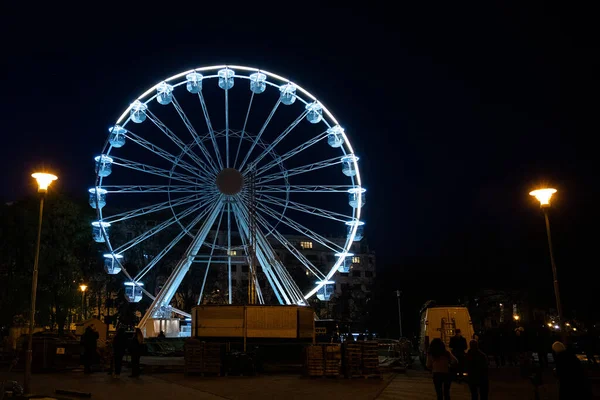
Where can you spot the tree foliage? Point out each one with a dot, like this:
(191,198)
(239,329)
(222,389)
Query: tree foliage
(67,257)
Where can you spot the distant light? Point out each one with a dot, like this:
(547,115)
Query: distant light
(549,325)
(516,317)
(543,195)
(501,305)
(556,327)
(43,180)
(567,324)
(574,329)
(83,287)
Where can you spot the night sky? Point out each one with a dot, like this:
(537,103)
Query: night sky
(457,112)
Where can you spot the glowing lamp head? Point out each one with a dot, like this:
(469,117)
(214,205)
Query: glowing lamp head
(516,317)
(43,180)
(543,196)
(83,288)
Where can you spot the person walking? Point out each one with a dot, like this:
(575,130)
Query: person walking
(572,381)
(89,340)
(439,361)
(135,349)
(119,347)
(458,345)
(476,365)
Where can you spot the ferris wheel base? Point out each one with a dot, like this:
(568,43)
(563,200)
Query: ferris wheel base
(169,326)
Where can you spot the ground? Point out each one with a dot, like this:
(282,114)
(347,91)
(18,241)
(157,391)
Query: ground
(414,385)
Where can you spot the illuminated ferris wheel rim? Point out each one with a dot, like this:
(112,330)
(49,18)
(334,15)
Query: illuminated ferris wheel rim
(276,81)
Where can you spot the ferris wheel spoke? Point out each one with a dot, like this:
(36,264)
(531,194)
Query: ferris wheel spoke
(165,224)
(166,294)
(153,208)
(169,246)
(303,188)
(153,189)
(275,142)
(175,139)
(164,154)
(243,220)
(319,212)
(291,248)
(229,249)
(149,169)
(291,293)
(227,161)
(258,136)
(300,228)
(195,136)
(298,170)
(212,250)
(241,139)
(291,153)
(210,129)
(246,245)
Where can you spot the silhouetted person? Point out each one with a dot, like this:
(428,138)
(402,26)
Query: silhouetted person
(590,343)
(476,365)
(521,351)
(161,335)
(542,346)
(119,347)
(439,361)
(458,345)
(89,340)
(572,382)
(135,349)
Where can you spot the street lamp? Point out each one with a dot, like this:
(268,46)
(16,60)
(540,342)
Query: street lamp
(544,196)
(398,294)
(43,180)
(83,288)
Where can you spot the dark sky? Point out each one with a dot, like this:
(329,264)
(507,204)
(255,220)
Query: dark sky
(457,111)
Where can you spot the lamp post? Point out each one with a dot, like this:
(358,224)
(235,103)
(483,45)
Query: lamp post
(398,294)
(543,196)
(83,288)
(43,180)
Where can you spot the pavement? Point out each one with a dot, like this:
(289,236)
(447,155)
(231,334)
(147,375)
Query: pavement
(414,385)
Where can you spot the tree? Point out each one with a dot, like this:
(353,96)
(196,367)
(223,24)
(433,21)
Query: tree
(66,254)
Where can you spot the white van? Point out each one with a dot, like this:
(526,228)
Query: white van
(442,322)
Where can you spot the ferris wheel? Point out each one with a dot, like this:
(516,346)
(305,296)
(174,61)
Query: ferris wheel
(228,162)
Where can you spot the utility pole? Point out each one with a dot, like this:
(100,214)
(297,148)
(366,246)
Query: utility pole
(252,270)
(398,294)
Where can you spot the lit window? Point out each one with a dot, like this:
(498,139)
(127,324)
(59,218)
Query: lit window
(232,252)
(306,245)
(355,260)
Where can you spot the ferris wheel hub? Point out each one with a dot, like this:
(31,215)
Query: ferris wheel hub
(230,181)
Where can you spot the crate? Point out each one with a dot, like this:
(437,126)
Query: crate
(202,357)
(314,360)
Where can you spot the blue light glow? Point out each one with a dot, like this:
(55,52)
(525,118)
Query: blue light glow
(257,82)
(288,93)
(138,112)
(117,136)
(314,113)
(97,197)
(103,165)
(112,264)
(226,78)
(194,82)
